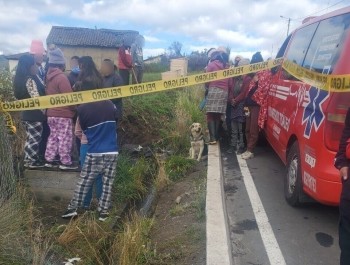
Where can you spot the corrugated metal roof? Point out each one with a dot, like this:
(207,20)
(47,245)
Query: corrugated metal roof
(72,36)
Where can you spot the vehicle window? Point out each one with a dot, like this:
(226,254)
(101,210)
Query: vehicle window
(283,48)
(299,47)
(280,53)
(326,45)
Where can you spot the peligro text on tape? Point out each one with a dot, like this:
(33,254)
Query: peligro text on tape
(76,98)
(330,83)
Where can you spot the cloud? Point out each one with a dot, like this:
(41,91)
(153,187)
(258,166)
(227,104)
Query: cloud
(152,39)
(244,25)
(152,52)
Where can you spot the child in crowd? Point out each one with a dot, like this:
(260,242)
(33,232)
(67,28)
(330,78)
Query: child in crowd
(98,122)
(89,78)
(26,85)
(237,96)
(83,152)
(112,79)
(60,119)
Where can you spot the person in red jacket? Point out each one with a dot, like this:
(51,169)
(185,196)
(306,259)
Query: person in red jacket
(125,63)
(60,119)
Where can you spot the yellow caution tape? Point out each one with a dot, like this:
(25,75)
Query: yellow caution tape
(331,83)
(76,98)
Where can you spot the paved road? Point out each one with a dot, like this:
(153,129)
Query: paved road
(305,236)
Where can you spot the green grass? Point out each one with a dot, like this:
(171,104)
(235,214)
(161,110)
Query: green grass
(150,77)
(178,209)
(130,183)
(200,199)
(177,167)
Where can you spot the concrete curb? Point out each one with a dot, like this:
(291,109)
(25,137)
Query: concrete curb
(218,239)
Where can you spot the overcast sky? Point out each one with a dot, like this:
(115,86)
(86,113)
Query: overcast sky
(244,25)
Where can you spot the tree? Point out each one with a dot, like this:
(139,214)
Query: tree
(175,49)
(197,61)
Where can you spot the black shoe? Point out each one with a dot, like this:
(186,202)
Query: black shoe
(70,213)
(35,165)
(68,167)
(102,216)
(232,150)
(241,150)
(51,164)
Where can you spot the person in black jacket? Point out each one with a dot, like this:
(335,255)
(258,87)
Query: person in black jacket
(75,70)
(26,85)
(112,79)
(342,163)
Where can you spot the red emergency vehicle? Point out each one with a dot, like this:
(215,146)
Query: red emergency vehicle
(304,123)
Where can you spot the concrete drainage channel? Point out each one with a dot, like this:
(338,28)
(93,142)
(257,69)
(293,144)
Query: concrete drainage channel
(218,239)
(51,186)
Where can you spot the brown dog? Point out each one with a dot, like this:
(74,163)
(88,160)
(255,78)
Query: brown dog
(197,141)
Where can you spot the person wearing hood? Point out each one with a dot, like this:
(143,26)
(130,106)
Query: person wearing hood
(60,119)
(217,95)
(112,79)
(137,59)
(75,70)
(238,58)
(26,86)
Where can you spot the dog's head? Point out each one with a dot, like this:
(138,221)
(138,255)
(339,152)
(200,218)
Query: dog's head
(196,129)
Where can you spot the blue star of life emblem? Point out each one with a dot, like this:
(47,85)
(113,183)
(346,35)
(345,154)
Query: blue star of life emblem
(313,114)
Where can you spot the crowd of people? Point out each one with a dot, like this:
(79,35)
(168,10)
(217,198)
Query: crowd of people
(52,133)
(241,102)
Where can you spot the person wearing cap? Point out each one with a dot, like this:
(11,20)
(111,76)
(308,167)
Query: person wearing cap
(217,95)
(237,116)
(60,119)
(38,51)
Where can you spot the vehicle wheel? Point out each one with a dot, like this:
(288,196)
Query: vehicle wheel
(293,181)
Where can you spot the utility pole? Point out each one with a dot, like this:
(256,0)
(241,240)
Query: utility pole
(289,20)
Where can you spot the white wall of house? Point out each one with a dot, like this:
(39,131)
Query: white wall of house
(12,65)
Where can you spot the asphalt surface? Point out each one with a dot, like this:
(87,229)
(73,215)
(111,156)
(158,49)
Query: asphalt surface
(305,236)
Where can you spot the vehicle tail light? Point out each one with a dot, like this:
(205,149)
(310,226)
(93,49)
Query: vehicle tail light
(334,128)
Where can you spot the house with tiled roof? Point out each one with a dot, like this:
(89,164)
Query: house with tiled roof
(100,44)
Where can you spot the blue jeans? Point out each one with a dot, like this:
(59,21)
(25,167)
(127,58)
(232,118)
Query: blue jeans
(98,180)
